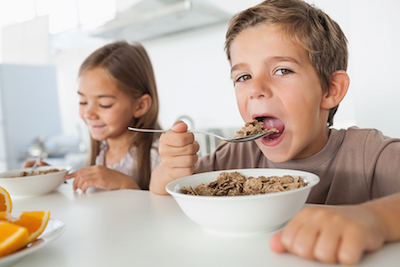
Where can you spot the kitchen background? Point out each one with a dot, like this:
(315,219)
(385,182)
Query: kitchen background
(43,42)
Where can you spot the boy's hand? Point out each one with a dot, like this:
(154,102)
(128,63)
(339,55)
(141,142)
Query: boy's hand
(331,234)
(178,157)
(178,151)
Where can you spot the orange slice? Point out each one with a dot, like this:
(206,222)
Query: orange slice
(34,221)
(5,200)
(12,238)
(5,216)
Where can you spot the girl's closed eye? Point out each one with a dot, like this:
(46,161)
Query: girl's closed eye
(106,102)
(82,103)
(105,106)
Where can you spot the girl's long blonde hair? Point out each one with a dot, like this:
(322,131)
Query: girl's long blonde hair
(131,68)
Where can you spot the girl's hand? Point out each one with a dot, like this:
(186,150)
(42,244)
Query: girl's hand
(101,177)
(331,234)
(29,164)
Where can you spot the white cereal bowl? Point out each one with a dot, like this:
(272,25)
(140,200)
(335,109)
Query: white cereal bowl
(242,215)
(35,185)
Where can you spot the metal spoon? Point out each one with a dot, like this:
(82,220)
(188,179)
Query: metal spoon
(35,165)
(234,140)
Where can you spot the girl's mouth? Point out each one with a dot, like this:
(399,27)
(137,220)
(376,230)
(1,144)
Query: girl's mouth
(96,128)
(271,122)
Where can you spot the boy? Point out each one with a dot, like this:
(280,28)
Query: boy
(288,61)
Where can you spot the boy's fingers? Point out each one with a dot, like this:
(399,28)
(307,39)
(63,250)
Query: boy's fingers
(181,172)
(291,230)
(175,151)
(179,127)
(174,139)
(187,161)
(352,247)
(326,248)
(275,243)
(304,241)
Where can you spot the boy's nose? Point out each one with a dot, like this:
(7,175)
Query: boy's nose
(259,89)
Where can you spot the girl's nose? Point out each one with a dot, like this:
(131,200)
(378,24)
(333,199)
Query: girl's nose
(260,88)
(90,112)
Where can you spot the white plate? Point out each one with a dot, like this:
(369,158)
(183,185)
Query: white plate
(53,230)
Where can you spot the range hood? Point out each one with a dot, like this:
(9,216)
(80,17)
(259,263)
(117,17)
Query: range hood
(152,18)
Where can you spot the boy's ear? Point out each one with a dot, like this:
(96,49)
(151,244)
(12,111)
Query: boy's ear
(336,91)
(142,105)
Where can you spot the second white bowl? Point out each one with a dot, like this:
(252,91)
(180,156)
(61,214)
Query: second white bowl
(35,185)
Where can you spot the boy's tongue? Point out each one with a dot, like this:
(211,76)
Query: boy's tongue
(270,122)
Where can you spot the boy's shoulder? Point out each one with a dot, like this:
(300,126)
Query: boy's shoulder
(360,134)
(366,140)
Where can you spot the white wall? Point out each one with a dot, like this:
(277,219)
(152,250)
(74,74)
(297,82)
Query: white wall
(26,43)
(193,79)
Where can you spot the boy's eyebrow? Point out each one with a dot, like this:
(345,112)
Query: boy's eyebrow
(237,66)
(280,59)
(268,60)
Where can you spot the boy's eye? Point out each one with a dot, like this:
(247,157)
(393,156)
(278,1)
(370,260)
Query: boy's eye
(243,78)
(82,103)
(283,72)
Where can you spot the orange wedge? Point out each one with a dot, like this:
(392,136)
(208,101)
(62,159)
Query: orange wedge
(34,221)
(5,200)
(5,216)
(12,238)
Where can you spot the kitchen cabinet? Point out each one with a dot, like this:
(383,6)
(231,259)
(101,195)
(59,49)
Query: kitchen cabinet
(28,109)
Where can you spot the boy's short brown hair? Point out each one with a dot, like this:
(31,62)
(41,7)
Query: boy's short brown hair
(306,26)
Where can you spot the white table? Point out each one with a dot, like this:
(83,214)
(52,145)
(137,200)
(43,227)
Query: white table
(138,228)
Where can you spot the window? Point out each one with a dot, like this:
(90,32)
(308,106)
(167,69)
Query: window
(90,18)
(63,14)
(16,11)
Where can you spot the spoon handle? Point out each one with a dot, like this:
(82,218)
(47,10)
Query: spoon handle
(35,165)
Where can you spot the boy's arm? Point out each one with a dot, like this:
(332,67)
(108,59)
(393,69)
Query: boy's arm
(388,210)
(178,157)
(341,233)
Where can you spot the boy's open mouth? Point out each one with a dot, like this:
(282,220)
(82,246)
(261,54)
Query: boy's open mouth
(271,122)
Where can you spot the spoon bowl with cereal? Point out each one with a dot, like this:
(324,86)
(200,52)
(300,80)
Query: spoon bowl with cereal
(251,131)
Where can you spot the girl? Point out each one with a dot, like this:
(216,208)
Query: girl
(117,89)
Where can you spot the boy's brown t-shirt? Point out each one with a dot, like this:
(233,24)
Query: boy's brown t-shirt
(356,165)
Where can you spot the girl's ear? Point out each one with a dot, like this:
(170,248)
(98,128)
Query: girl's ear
(142,105)
(336,91)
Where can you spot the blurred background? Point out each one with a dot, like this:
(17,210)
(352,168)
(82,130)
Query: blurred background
(43,43)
